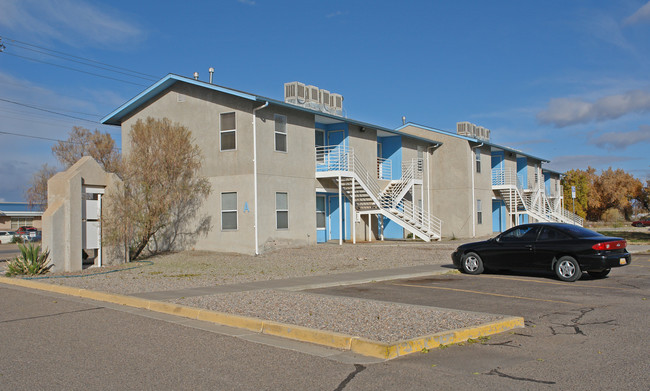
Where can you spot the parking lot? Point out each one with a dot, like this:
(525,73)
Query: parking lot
(581,335)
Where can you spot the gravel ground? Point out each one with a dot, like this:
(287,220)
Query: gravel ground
(375,320)
(191,269)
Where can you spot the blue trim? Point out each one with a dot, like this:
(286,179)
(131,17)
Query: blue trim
(474,140)
(391,149)
(498,215)
(498,158)
(522,171)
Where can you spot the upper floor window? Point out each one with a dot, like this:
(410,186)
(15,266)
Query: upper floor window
(228,131)
(280,133)
(478,160)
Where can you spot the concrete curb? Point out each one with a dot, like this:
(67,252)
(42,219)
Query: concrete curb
(354,344)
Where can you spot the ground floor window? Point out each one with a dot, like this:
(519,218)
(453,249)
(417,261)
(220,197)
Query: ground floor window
(228,211)
(17,222)
(281,210)
(479,212)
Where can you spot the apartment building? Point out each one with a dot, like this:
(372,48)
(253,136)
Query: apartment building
(296,172)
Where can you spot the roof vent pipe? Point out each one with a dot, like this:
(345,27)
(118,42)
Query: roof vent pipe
(196,76)
(403,120)
(211,70)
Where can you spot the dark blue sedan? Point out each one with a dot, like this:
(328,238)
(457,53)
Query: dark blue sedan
(568,250)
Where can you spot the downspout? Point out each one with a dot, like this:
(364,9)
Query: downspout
(257,252)
(471,167)
(431,148)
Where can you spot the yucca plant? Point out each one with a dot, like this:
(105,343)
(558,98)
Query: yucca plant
(30,262)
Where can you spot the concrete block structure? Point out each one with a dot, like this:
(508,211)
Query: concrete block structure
(296,172)
(72,220)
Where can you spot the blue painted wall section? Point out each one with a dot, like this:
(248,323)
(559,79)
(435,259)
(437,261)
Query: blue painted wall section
(391,148)
(547,182)
(498,215)
(497,160)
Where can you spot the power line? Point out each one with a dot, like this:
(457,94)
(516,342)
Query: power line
(76,70)
(77,57)
(84,63)
(44,138)
(48,111)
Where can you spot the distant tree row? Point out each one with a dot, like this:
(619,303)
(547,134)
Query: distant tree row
(606,196)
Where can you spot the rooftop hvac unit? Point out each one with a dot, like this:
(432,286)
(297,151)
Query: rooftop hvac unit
(465,129)
(312,98)
(336,101)
(325,100)
(294,92)
(479,132)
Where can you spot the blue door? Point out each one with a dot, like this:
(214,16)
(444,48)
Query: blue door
(333,220)
(522,171)
(498,216)
(547,182)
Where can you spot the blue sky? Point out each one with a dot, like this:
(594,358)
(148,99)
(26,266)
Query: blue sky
(565,80)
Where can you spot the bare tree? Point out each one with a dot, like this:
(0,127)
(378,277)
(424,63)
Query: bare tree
(161,193)
(36,194)
(81,142)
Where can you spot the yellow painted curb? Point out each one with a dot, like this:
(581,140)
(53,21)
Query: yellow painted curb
(242,322)
(321,337)
(305,334)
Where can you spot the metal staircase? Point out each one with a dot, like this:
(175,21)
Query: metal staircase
(533,202)
(340,164)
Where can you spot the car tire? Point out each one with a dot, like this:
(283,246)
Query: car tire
(599,274)
(471,263)
(567,269)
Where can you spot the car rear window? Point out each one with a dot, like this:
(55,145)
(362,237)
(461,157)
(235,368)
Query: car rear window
(580,232)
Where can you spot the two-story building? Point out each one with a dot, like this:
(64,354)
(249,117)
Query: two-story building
(297,172)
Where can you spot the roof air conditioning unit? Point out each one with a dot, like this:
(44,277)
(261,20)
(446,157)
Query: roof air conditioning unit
(313,98)
(336,101)
(325,100)
(465,129)
(295,93)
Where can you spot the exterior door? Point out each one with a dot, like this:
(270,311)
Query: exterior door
(333,223)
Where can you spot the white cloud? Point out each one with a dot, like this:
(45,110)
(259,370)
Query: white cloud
(563,112)
(335,14)
(622,140)
(75,23)
(640,16)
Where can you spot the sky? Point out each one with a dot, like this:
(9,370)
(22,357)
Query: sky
(568,81)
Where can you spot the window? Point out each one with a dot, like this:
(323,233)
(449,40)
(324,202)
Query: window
(228,131)
(320,212)
(479,212)
(228,211)
(520,234)
(17,222)
(551,234)
(320,143)
(281,211)
(478,160)
(280,133)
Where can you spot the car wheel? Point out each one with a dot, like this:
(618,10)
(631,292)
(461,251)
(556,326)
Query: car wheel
(567,269)
(599,274)
(472,263)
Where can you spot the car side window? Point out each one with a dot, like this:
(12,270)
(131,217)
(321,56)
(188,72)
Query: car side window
(548,234)
(520,234)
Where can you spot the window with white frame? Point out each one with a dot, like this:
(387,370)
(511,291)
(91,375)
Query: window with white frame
(281,211)
(17,222)
(280,133)
(478,160)
(228,131)
(479,212)
(228,211)
(320,212)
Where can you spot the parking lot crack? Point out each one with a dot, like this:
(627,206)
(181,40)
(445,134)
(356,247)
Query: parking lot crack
(501,374)
(357,368)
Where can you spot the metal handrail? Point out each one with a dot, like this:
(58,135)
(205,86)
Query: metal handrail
(384,168)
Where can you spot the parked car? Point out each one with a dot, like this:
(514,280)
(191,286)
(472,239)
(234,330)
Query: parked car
(28,233)
(6,237)
(643,222)
(568,250)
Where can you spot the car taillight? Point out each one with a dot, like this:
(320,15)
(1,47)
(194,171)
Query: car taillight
(614,245)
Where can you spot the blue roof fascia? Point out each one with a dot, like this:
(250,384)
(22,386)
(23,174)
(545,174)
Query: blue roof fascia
(116,116)
(475,140)
(11,208)
(553,171)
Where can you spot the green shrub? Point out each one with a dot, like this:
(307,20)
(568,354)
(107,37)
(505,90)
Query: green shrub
(30,262)
(612,215)
(16,239)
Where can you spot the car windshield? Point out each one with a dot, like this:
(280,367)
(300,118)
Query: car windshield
(580,232)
